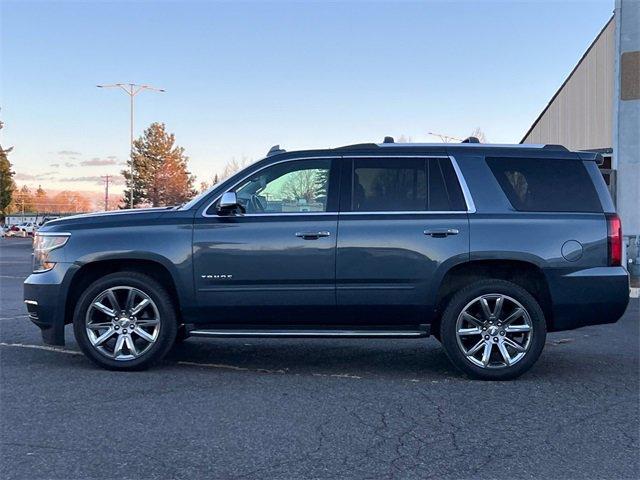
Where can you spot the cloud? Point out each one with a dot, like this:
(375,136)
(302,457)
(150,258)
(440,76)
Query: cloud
(69,164)
(112,157)
(98,162)
(68,153)
(27,177)
(98,180)
(54,165)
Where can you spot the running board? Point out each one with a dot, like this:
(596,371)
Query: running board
(419,331)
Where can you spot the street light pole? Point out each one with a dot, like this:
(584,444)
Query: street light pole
(131,89)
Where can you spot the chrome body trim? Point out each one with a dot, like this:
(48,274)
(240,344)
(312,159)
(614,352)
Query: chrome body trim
(310,333)
(471,208)
(53,234)
(31,302)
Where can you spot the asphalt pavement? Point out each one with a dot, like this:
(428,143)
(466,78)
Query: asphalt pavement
(307,409)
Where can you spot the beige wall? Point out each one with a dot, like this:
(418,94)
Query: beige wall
(580,115)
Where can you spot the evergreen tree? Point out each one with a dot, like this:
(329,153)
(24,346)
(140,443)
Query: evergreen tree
(160,175)
(7,185)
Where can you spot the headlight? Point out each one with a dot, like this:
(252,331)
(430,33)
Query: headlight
(43,244)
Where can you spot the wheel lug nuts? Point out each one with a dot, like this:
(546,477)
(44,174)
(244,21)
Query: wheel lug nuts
(117,327)
(495,339)
(490,323)
(486,337)
(125,331)
(501,333)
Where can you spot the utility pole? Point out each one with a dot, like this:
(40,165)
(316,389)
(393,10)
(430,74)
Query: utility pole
(131,89)
(106,192)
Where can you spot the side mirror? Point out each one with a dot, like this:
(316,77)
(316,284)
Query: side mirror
(228,203)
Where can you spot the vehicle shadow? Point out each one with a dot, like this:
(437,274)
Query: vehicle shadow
(345,358)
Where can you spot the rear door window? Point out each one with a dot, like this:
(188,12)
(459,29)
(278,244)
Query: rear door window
(546,184)
(396,184)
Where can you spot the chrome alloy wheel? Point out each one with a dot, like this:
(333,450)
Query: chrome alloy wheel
(494,331)
(122,323)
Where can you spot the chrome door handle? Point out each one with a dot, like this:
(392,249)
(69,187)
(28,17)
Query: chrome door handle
(441,232)
(312,235)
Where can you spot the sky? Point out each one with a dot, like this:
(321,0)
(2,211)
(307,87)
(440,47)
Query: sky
(243,76)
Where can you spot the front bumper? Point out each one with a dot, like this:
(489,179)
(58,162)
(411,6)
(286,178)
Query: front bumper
(45,296)
(591,296)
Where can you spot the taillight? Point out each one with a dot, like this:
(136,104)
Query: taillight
(614,239)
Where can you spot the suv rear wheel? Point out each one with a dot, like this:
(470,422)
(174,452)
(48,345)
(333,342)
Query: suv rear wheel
(125,321)
(493,330)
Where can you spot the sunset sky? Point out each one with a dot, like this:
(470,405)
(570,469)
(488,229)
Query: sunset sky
(241,77)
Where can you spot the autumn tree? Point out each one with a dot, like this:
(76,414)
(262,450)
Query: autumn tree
(22,200)
(7,185)
(69,201)
(41,200)
(160,175)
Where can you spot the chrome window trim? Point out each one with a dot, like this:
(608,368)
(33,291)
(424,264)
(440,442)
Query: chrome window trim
(466,193)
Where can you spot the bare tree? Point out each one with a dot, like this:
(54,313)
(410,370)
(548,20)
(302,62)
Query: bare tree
(233,166)
(479,134)
(302,184)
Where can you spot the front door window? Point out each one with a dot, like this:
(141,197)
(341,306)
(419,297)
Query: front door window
(288,187)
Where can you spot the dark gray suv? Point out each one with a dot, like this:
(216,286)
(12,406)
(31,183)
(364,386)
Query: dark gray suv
(485,247)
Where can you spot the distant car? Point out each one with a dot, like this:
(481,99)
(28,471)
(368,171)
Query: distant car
(485,247)
(26,229)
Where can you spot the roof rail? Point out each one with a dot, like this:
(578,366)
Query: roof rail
(275,150)
(470,140)
(551,146)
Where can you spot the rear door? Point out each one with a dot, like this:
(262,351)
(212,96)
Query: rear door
(402,220)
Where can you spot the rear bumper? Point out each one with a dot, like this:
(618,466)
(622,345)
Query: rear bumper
(592,296)
(45,299)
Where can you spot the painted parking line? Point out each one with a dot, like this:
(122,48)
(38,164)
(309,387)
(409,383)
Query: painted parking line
(15,317)
(220,366)
(41,347)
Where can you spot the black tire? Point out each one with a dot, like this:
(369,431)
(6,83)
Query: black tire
(449,335)
(168,324)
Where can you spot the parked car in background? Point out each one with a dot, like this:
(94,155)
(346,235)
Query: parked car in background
(26,229)
(485,247)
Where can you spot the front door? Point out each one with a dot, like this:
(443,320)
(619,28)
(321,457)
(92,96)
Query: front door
(273,261)
(405,219)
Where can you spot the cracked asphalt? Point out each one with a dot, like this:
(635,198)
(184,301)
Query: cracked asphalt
(321,409)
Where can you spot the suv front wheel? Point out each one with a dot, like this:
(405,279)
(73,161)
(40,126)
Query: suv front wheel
(125,321)
(493,330)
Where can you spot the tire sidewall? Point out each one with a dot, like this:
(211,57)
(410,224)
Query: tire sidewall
(448,332)
(146,284)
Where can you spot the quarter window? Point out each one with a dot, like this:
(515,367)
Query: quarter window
(546,184)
